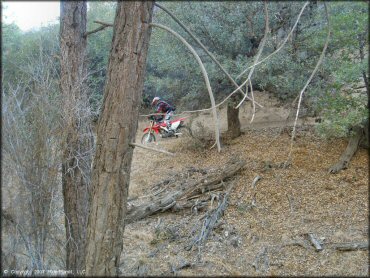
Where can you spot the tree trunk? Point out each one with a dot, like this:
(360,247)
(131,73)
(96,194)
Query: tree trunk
(77,131)
(361,134)
(233,122)
(349,152)
(116,130)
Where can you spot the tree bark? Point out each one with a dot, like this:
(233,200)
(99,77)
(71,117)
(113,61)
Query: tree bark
(116,130)
(77,131)
(349,152)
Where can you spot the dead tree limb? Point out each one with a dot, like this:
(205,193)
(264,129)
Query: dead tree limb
(205,49)
(104,25)
(205,75)
(309,81)
(211,219)
(183,191)
(151,149)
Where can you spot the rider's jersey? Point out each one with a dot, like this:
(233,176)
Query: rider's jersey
(163,107)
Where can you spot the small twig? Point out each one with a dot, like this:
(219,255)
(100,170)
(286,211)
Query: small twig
(290,202)
(301,243)
(315,242)
(151,149)
(104,23)
(351,246)
(254,105)
(213,146)
(256,179)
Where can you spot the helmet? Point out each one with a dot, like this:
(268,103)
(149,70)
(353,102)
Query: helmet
(155,100)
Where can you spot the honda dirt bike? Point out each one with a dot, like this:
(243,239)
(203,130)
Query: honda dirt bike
(177,128)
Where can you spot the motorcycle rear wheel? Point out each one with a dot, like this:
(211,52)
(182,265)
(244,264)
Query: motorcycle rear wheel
(147,138)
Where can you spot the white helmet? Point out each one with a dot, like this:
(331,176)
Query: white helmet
(155,100)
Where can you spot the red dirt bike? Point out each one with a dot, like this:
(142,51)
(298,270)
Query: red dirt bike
(177,128)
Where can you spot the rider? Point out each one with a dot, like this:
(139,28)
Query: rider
(163,107)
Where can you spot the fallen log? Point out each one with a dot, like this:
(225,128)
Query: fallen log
(183,191)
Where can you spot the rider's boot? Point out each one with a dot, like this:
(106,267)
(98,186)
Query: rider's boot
(170,130)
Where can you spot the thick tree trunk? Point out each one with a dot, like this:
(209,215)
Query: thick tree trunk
(116,130)
(77,132)
(233,122)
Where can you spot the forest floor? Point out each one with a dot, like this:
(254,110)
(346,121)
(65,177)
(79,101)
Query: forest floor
(269,238)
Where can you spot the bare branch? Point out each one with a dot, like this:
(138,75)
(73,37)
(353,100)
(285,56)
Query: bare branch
(309,80)
(205,75)
(254,106)
(261,47)
(203,47)
(104,25)
(281,46)
(151,149)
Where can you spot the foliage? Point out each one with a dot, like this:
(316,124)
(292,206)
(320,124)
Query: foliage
(232,32)
(229,30)
(339,100)
(341,113)
(98,48)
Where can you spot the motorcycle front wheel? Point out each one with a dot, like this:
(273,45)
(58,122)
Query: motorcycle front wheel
(147,138)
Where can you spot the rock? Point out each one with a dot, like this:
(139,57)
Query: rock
(235,242)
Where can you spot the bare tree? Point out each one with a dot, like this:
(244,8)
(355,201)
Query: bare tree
(77,135)
(30,173)
(116,130)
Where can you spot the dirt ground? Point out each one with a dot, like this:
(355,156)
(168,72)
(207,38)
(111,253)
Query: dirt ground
(269,238)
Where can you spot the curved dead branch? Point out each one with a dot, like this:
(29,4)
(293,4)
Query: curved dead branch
(204,48)
(205,75)
(261,47)
(309,80)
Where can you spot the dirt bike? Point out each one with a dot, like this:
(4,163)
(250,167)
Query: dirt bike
(177,128)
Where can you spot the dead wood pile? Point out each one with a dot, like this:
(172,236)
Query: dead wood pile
(193,189)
